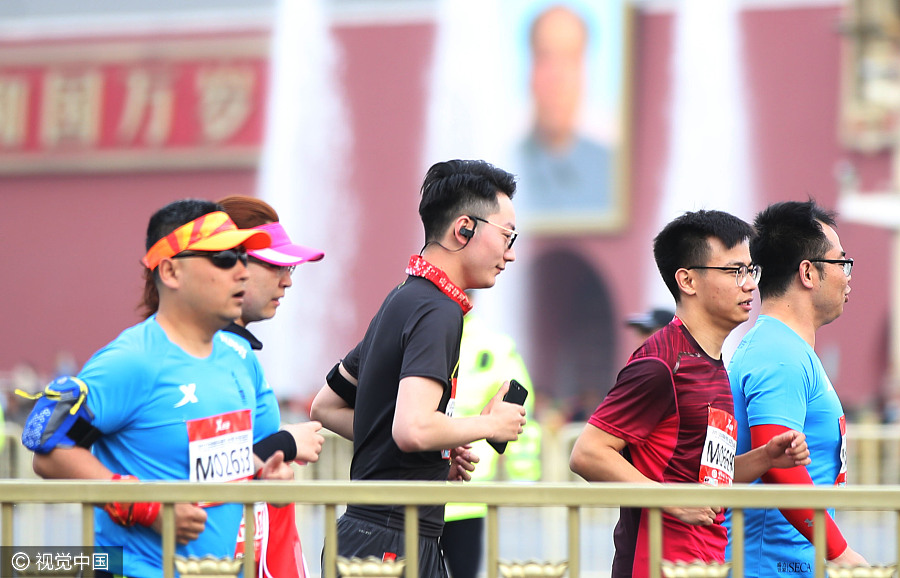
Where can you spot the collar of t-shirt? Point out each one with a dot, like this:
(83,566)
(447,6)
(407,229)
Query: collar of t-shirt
(419,267)
(255,343)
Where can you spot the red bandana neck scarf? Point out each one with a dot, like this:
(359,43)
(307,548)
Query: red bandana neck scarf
(419,267)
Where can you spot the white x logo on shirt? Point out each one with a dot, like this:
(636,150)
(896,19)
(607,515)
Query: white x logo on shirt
(189,395)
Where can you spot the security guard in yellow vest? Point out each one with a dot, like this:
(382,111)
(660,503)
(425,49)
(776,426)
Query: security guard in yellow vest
(486,360)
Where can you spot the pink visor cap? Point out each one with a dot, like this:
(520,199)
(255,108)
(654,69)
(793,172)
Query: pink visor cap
(282,251)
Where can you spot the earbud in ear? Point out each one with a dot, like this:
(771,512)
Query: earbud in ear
(467,233)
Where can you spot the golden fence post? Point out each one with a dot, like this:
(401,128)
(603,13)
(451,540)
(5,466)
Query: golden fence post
(6,523)
(574,541)
(868,450)
(493,541)
(87,524)
(411,529)
(249,539)
(737,541)
(819,542)
(87,530)
(7,515)
(656,537)
(168,540)
(330,557)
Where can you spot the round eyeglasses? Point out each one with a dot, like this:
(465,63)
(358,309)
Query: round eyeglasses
(846,264)
(508,233)
(741,274)
(279,269)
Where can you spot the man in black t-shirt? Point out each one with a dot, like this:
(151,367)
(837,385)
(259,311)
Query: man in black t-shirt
(393,393)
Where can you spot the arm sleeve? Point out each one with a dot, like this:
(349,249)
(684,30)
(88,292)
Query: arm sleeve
(800,519)
(342,386)
(281,440)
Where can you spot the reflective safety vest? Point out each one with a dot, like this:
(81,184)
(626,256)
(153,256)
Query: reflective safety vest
(486,360)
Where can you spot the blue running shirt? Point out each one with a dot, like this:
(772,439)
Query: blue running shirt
(147,394)
(267,416)
(777,378)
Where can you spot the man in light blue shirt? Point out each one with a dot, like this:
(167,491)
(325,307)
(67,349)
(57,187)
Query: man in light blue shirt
(779,384)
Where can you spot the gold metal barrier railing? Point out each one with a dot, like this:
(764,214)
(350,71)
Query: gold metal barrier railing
(575,497)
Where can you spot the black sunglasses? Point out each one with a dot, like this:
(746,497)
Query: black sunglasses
(222,259)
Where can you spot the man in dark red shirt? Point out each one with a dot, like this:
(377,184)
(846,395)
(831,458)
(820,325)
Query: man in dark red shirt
(670,415)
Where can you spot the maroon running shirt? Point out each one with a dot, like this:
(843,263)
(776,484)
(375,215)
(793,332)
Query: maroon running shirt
(661,405)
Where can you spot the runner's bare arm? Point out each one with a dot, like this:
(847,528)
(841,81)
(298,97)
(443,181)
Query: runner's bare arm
(596,457)
(80,464)
(332,409)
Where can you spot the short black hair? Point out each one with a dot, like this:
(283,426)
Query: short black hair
(461,187)
(787,233)
(684,242)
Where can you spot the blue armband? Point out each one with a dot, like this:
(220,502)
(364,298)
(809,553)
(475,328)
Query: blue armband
(60,417)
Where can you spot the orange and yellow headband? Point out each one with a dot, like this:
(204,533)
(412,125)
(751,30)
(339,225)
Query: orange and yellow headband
(211,232)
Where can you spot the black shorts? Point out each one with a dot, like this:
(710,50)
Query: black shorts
(360,539)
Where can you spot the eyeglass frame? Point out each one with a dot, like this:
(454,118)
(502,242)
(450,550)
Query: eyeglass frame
(513,234)
(212,255)
(280,269)
(846,262)
(748,274)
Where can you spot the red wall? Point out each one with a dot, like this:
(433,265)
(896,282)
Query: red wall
(385,71)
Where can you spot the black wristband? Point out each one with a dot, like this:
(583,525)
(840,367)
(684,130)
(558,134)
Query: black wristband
(281,440)
(341,385)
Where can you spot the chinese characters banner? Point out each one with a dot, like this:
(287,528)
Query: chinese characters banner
(132,104)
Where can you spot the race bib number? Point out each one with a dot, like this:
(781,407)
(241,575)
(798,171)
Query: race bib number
(717,461)
(841,479)
(261,531)
(220,448)
(451,407)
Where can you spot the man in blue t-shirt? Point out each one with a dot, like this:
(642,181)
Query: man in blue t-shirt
(171,397)
(778,381)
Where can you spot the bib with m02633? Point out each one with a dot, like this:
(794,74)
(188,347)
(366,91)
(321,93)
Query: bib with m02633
(220,447)
(717,460)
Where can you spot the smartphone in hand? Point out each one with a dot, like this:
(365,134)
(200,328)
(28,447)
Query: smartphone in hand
(515,394)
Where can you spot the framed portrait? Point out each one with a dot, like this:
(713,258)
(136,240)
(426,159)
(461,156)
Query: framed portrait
(572,63)
(870,76)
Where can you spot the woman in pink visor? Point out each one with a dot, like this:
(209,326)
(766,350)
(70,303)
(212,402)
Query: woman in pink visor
(270,269)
